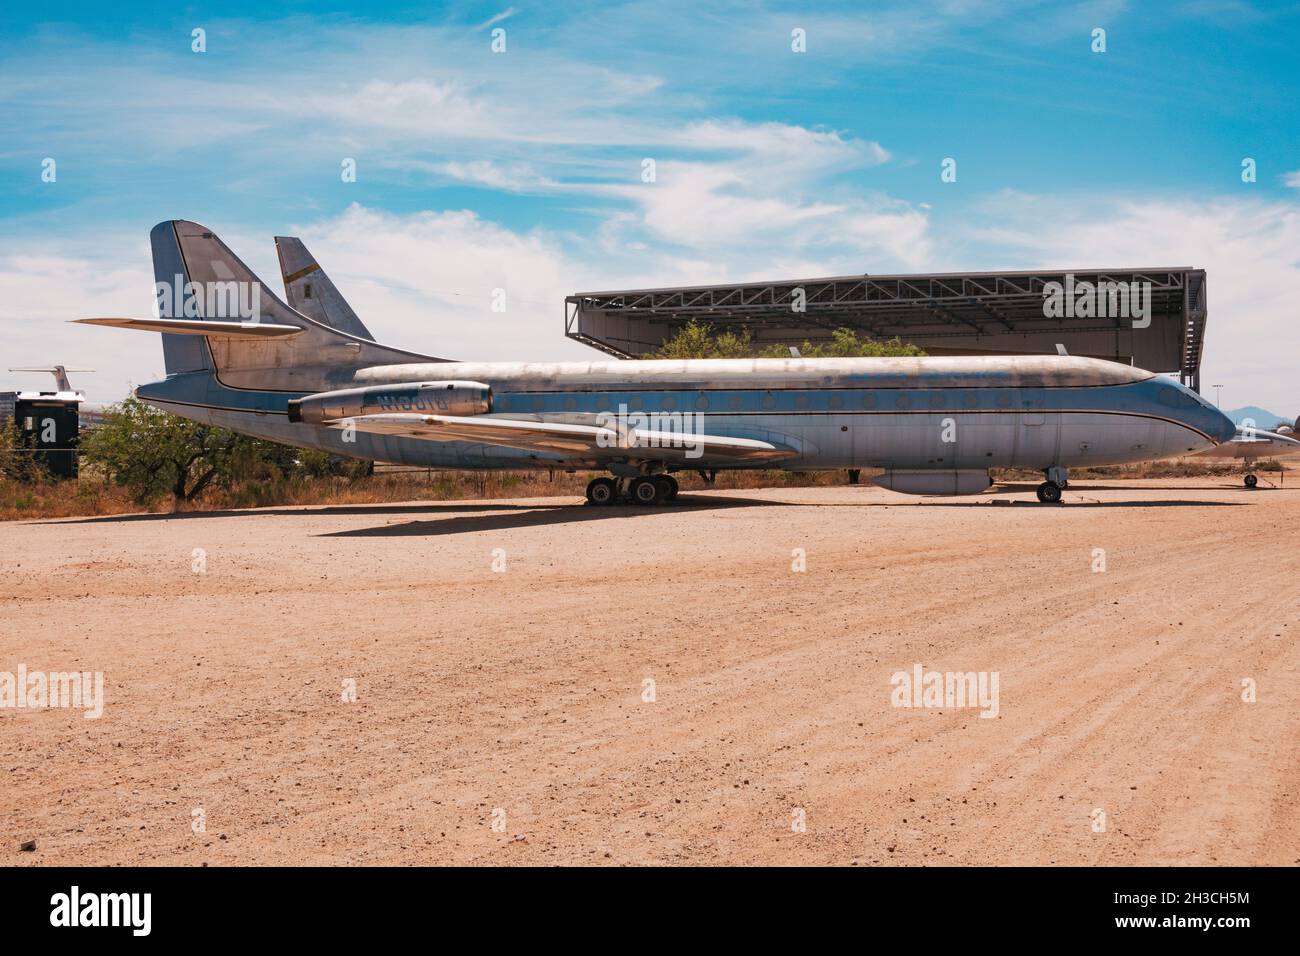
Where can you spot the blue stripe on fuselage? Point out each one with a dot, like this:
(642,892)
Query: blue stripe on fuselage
(1154,396)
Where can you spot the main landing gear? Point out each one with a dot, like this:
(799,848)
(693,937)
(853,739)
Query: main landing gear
(645,490)
(1251,480)
(1049,492)
(601,491)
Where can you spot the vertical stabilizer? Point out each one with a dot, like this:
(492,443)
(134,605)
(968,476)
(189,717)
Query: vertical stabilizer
(181,353)
(216,316)
(311,292)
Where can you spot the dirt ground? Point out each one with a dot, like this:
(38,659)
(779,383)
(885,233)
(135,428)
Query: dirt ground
(506,716)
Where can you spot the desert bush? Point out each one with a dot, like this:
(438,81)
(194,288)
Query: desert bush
(154,455)
(16,460)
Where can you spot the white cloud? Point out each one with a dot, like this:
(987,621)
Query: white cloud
(767,195)
(1250,250)
(782,146)
(427,106)
(43,287)
(424,280)
(435,88)
(736,212)
(496,18)
(512,177)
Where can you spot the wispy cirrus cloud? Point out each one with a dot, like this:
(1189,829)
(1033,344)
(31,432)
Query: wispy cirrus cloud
(1247,246)
(525,170)
(496,18)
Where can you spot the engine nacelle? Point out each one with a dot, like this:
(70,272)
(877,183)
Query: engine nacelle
(414,398)
(935,481)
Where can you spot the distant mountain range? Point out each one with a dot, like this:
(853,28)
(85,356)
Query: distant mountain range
(1262,417)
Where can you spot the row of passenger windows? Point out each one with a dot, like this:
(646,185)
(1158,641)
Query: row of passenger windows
(668,401)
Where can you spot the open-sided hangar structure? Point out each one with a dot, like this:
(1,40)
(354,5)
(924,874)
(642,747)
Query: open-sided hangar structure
(973,313)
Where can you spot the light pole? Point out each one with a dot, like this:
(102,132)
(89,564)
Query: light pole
(1216,394)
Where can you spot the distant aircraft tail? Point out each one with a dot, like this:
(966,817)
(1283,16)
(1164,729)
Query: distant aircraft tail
(311,292)
(217,316)
(60,373)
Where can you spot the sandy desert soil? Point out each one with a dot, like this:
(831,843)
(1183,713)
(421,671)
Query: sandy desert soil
(516,697)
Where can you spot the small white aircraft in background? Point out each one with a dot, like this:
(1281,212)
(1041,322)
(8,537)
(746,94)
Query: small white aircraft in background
(90,413)
(1252,444)
(60,373)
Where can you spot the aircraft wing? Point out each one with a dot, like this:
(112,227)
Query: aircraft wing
(588,441)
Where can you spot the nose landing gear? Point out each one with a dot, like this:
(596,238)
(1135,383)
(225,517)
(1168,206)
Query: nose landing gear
(1058,479)
(1049,493)
(1251,481)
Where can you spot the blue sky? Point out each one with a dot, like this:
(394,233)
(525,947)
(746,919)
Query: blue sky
(522,169)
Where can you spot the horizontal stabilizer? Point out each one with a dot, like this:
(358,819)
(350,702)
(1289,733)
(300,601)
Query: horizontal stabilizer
(589,441)
(54,369)
(222,330)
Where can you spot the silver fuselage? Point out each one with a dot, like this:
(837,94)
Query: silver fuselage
(894,413)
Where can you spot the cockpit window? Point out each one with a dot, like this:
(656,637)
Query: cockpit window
(1176,397)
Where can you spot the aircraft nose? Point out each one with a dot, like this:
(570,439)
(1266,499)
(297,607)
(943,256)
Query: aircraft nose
(1223,428)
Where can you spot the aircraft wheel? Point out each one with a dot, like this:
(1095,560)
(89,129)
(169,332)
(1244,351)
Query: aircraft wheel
(667,487)
(645,491)
(1049,493)
(1251,481)
(601,491)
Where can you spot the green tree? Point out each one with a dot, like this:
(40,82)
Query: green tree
(17,462)
(845,343)
(154,454)
(700,340)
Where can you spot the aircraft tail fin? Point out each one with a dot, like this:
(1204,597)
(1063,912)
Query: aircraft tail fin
(311,292)
(60,373)
(181,353)
(215,315)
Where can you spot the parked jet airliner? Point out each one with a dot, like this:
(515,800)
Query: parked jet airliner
(312,375)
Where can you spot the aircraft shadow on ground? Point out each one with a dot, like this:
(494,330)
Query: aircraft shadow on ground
(490,516)
(973,502)
(295,512)
(576,511)
(533,516)
(1084,502)
(1235,486)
